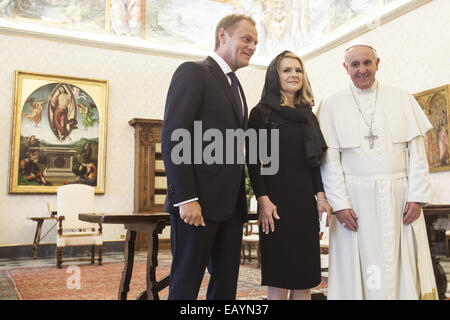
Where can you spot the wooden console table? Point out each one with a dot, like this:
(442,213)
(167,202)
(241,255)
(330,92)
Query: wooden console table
(151,224)
(37,235)
(431,213)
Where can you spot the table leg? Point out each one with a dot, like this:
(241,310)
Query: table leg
(37,239)
(439,274)
(441,278)
(152,262)
(151,275)
(150,293)
(153,286)
(124,286)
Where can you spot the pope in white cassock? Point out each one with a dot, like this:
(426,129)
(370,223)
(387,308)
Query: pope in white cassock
(376,178)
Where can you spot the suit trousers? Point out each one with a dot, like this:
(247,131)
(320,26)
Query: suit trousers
(216,246)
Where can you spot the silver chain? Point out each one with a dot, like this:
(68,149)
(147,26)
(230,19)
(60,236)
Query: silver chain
(371,137)
(359,109)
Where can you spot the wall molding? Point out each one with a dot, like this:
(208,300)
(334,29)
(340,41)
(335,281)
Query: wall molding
(366,26)
(135,45)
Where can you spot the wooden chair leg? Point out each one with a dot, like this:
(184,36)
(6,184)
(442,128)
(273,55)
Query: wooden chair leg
(100,252)
(258,252)
(245,253)
(447,239)
(59,257)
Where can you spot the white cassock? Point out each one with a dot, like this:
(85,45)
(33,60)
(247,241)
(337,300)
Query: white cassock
(384,259)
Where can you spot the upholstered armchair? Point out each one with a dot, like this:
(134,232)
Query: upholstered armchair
(250,240)
(72,200)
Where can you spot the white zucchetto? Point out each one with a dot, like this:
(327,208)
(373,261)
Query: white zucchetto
(359,42)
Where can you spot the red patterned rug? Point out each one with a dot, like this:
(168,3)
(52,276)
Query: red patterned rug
(102,282)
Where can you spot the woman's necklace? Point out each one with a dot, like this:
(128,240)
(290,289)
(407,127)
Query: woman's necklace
(371,137)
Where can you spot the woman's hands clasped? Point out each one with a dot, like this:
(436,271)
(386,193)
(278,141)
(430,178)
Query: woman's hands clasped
(267,211)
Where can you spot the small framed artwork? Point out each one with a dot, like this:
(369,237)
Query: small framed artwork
(435,103)
(58,133)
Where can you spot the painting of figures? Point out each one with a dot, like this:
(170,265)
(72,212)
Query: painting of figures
(188,26)
(58,134)
(435,104)
(281,24)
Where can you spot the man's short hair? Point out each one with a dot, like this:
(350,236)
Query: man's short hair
(228,23)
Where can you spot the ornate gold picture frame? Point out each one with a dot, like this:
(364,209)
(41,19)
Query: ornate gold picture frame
(436,105)
(58,133)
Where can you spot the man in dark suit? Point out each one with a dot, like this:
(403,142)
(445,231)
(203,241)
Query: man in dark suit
(207,201)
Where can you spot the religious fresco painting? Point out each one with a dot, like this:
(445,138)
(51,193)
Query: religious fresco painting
(87,15)
(127,17)
(189,25)
(59,133)
(435,104)
(281,24)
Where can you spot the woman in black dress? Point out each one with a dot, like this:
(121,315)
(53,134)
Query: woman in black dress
(287,207)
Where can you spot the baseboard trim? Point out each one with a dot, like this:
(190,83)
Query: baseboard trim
(48,250)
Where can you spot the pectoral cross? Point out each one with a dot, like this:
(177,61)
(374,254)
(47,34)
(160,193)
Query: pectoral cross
(371,137)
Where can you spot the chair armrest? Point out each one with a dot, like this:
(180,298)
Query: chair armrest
(246,228)
(250,228)
(60,220)
(100,229)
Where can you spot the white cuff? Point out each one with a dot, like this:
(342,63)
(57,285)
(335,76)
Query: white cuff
(187,201)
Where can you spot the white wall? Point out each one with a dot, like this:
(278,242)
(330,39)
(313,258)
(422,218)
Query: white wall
(414,54)
(138,83)
(414,51)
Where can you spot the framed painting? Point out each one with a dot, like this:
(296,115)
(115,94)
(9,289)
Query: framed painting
(435,104)
(58,133)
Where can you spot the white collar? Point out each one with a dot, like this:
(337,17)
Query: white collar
(370,90)
(222,63)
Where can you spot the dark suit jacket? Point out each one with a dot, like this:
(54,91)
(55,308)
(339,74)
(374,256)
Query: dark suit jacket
(200,91)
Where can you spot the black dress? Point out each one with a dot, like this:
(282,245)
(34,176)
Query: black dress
(290,256)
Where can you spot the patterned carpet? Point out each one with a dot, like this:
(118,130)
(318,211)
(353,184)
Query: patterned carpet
(102,282)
